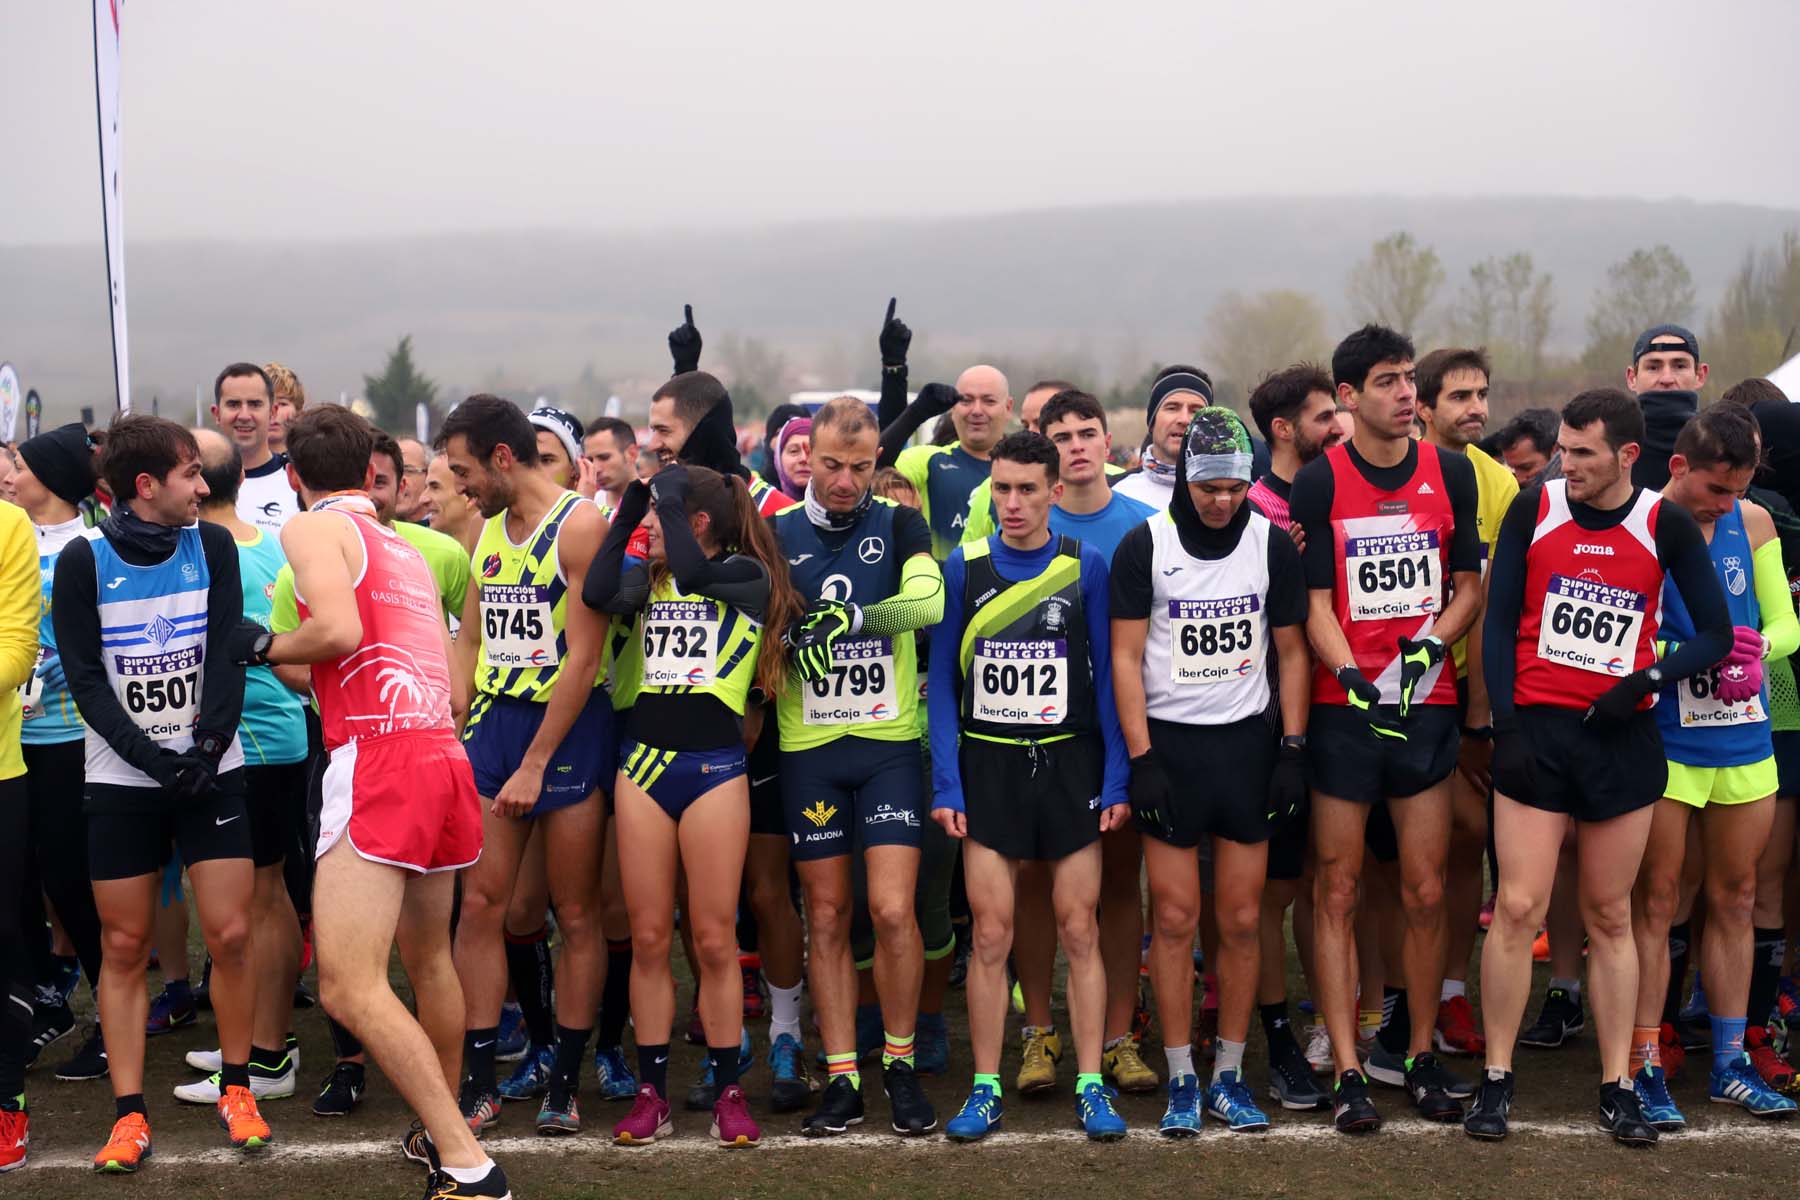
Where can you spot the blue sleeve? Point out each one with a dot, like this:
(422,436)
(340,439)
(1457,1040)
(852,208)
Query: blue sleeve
(1094,602)
(943,691)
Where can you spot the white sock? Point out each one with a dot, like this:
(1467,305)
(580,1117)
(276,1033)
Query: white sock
(784,1011)
(1181,1060)
(1230,1057)
(1452,987)
(470,1174)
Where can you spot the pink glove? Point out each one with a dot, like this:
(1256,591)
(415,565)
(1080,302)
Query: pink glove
(1741,674)
(1746,644)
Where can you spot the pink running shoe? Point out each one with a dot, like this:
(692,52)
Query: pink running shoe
(647,1121)
(732,1123)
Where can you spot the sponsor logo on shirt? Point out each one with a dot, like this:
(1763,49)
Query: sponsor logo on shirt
(1600,549)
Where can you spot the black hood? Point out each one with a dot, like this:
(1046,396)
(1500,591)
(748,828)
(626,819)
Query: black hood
(1780,423)
(1664,415)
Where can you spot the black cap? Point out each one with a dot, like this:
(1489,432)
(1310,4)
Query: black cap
(1689,342)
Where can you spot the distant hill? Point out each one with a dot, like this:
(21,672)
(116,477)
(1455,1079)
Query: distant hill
(1107,288)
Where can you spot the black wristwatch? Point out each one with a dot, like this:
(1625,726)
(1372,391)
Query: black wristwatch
(1293,741)
(1483,733)
(259,649)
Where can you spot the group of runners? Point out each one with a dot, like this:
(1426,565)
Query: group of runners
(616,694)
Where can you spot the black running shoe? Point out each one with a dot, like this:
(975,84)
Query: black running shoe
(1559,1020)
(912,1112)
(89,1061)
(1621,1116)
(341,1091)
(417,1146)
(959,957)
(1493,1102)
(51,1020)
(1429,1086)
(492,1186)
(1351,1106)
(203,993)
(840,1107)
(302,997)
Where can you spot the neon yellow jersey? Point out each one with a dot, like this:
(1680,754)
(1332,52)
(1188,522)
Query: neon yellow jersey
(1495,490)
(694,646)
(21,604)
(448,565)
(523,605)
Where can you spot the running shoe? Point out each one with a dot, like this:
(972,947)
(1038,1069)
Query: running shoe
(1540,946)
(240,1120)
(1318,1048)
(303,999)
(560,1113)
(209,1062)
(911,1112)
(342,1090)
(1229,1100)
(89,1062)
(1493,1104)
(840,1106)
(67,976)
(704,1095)
(1384,1066)
(1674,1054)
(171,1009)
(959,958)
(732,1123)
(417,1146)
(126,1147)
(648,1120)
(756,1004)
(1041,1052)
(1770,1063)
(1429,1086)
(790,1087)
(1456,1031)
(512,1043)
(15,1138)
(480,1109)
(1696,1011)
(531,1078)
(978,1117)
(51,1020)
(1182,1118)
(1560,1019)
(1623,1116)
(1351,1107)
(203,993)
(613,1074)
(1130,1074)
(1737,1082)
(492,1186)
(265,1084)
(931,1045)
(1655,1105)
(1291,1079)
(1486,918)
(1095,1113)
(871,1036)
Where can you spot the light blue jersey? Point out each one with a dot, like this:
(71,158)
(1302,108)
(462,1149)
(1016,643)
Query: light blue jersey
(273,727)
(49,711)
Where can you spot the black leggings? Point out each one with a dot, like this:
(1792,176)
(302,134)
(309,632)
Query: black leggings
(53,782)
(15,960)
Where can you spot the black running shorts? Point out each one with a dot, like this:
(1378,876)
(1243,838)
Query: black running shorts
(1588,775)
(1038,802)
(1346,759)
(1220,777)
(131,829)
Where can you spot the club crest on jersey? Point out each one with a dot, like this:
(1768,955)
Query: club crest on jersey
(490,566)
(160,630)
(871,549)
(1735,580)
(1053,615)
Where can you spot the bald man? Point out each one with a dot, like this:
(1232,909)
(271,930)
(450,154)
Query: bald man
(945,476)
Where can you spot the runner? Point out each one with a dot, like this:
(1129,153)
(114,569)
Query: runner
(1206,598)
(714,580)
(415,457)
(450,511)
(163,762)
(1575,580)
(290,402)
(611,448)
(444,556)
(1022,668)
(243,403)
(1715,732)
(945,476)
(1296,409)
(537,735)
(400,812)
(1177,393)
(850,739)
(1527,444)
(1394,568)
(559,437)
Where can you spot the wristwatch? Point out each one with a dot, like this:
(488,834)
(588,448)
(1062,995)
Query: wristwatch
(1293,741)
(259,648)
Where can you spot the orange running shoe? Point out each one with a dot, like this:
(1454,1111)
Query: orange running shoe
(15,1138)
(128,1146)
(1456,1031)
(240,1120)
(1540,947)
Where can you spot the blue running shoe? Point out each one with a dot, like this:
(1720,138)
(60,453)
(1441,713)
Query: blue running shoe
(704,1095)
(1095,1113)
(979,1117)
(790,1088)
(614,1074)
(512,1043)
(1229,1100)
(1738,1082)
(931,1045)
(1652,1087)
(173,1007)
(1182,1118)
(531,1078)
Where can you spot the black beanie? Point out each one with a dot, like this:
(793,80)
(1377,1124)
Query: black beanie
(63,461)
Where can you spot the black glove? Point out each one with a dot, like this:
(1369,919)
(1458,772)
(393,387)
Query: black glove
(195,776)
(1514,765)
(1617,704)
(634,502)
(1287,787)
(1416,658)
(1152,795)
(684,343)
(935,399)
(670,484)
(248,645)
(1365,698)
(811,637)
(895,338)
(165,768)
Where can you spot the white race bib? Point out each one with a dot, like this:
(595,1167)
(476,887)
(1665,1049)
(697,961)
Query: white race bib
(31,692)
(1590,625)
(858,688)
(517,626)
(1211,641)
(1699,706)
(1393,575)
(1020,682)
(160,691)
(681,643)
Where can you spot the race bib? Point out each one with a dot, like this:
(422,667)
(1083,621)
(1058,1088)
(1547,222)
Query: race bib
(681,643)
(1393,575)
(517,627)
(1590,625)
(1214,640)
(858,688)
(1020,682)
(161,692)
(1699,706)
(31,692)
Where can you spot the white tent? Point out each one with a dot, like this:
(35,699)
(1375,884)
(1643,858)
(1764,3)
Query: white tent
(1787,378)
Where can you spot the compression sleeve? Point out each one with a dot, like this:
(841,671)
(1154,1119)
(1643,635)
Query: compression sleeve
(604,589)
(1287,581)
(919,602)
(895,436)
(1132,593)
(1465,511)
(1779,625)
(943,691)
(1117,770)
(1682,550)
(75,613)
(222,687)
(738,580)
(893,396)
(978,524)
(21,593)
(1309,506)
(1506,600)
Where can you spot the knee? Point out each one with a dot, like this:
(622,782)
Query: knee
(482,904)
(716,944)
(892,917)
(1518,910)
(991,937)
(1607,920)
(1733,897)
(1335,891)
(650,936)
(1422,895)
(126,948)
(229,939)
(1240,922)
(577,917)
(1079,932)
(1176,919)
(768,895)
(828,919)
(1661,897)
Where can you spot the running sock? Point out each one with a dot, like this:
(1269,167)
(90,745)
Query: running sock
(234,1075)
(1452,988)
(1229,1057)
(478,1057)
(992,1082)
(1085,1081)
(615,997)
(843,1066)
(1571,986)
(897,1049)
(1181,1060)
(653,1067)
(344,1044)
(533,978)
(1396,1021)
(268,1062)
(1727,1040)
(784,1011)
(571,1044)
(1276,1029)
(1765,973)
(15,1035)
(1646,1048)
(470,1174)
(124,1106)
(1678,960)
(724,1060)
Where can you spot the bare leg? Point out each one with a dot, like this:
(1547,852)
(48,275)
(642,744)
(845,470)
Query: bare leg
(1337,830)
(223,888)
(1074,892)
(899,952)
(1525,839)
(1423,825)
(989,878)
(127,908)
(1607,850)
(1121,924)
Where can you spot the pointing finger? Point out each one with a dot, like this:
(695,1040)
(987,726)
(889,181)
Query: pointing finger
(688,311)
(892,300)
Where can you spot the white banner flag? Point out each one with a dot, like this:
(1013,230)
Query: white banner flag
(10,399)
(106,102)
(422,423)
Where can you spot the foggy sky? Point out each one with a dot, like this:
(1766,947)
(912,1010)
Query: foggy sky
(330,118)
